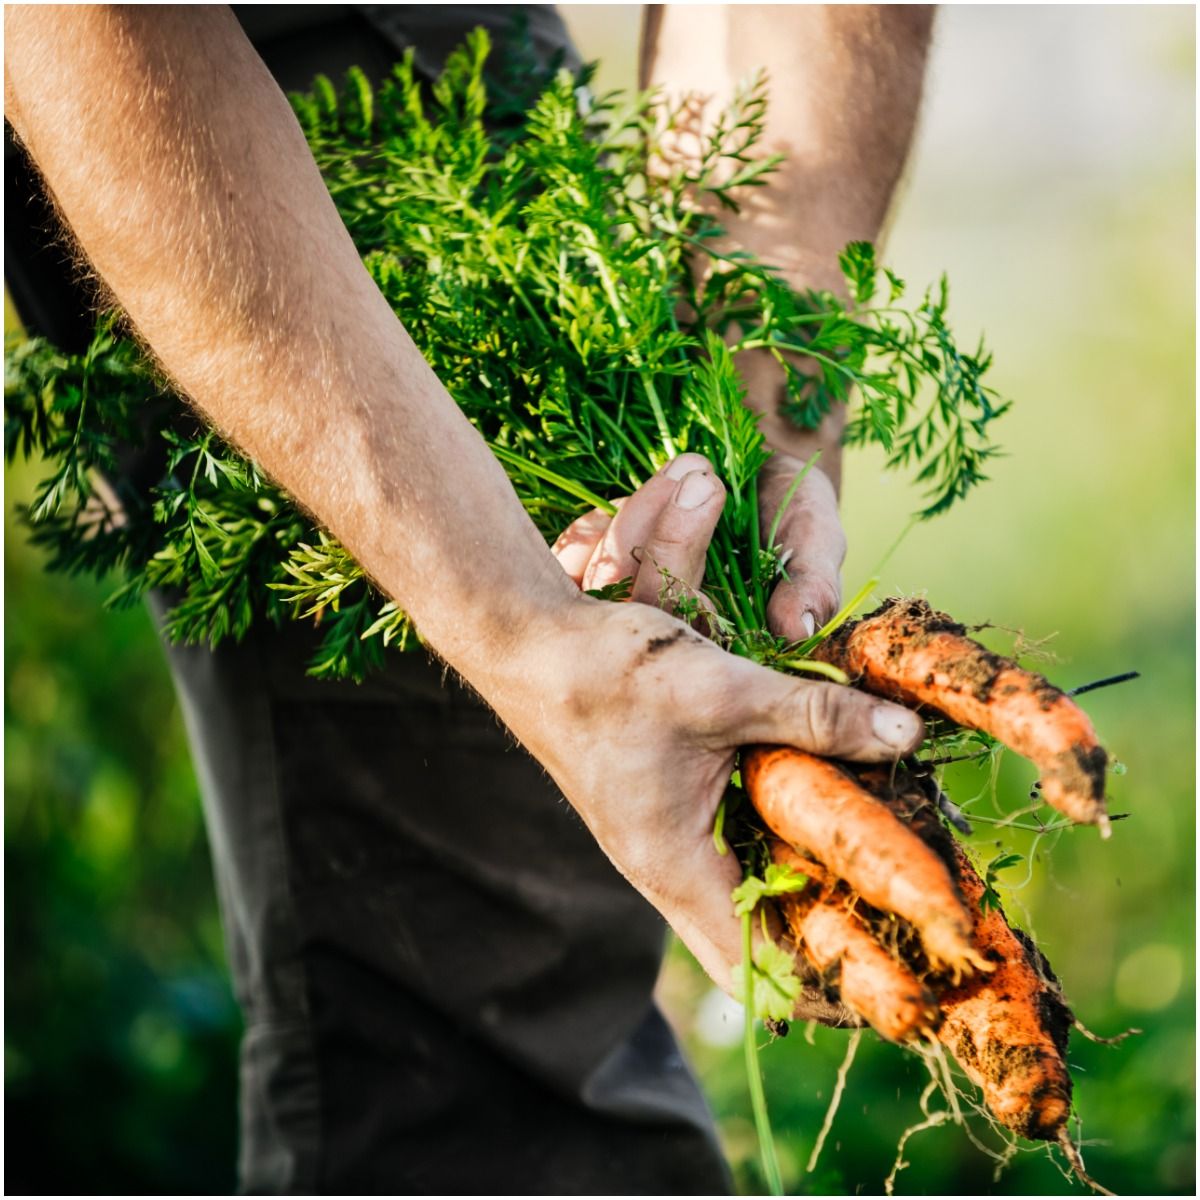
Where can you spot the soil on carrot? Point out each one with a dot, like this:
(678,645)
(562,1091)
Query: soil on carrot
(1079,771)
(1009,1028)
(908,652)
(976,673)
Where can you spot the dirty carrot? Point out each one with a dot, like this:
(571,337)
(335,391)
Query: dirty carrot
(1008,1028)
(813,805)
(909,653)
(868,980)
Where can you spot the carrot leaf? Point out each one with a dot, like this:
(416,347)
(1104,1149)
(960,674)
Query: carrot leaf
(555,263)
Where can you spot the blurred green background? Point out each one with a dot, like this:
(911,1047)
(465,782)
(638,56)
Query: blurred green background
(1054,180)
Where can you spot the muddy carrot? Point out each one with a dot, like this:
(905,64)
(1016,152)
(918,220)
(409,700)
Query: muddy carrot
(813,805)
(1008,1028)
(909,653)
(868,980)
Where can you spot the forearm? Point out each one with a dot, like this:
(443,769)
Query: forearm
(845,88)
(196,200)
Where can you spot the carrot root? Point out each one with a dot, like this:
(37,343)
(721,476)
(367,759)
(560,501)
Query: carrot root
(869,981)
(909,653)
(814,805)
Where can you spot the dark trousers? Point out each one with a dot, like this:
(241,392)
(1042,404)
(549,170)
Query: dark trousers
(446,985)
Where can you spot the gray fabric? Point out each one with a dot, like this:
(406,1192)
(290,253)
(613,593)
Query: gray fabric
(426,941)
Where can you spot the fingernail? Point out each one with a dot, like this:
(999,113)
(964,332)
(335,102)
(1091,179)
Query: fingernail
(896,727)
(677,468)
(694,490)
(809,624)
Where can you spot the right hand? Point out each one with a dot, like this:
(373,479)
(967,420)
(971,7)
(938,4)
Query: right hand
(638,719)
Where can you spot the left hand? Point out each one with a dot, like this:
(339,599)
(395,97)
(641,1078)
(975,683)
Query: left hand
(660,536)
(658,539)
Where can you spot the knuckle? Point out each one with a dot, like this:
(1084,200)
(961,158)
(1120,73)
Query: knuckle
(825,717)
(824,596)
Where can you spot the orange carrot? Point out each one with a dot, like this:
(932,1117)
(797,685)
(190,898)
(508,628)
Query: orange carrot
(813,805)
(1008,1029)
(868,980)
(909,653)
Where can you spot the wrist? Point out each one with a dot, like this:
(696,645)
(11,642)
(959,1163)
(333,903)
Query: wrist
(506,639)
(767,394)
(570,673)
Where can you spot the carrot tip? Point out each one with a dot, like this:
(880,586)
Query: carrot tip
(1105,826)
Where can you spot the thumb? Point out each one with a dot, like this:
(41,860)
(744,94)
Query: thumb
(828,719)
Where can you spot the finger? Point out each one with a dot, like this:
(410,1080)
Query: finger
(802,603)
(577,543)
(672,557)
(823,718)
(613,559)
(814,544)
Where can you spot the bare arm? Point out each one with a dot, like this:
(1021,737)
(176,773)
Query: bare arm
(845,89)
(183,174)
(185,177)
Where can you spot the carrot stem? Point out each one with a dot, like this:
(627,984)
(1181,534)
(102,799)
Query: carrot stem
(760,601)
(758,1099)
(745,604)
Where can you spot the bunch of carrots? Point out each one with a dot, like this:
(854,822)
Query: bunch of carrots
(888,911)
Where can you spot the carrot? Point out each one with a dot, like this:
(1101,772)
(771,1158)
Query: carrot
(812,804)
(1008,1029)
(909,653)
(868,980)
(1007,1025)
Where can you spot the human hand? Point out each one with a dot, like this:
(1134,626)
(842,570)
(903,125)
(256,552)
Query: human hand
(660,536)
(639,719)
(810,532)
(658,539)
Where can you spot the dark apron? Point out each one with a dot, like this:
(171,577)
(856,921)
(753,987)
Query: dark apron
(446,985)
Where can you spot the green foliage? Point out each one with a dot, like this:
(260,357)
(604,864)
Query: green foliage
(991,898)
(82,958)
(775,985)
(558,267)
(121,1030)
(777,880)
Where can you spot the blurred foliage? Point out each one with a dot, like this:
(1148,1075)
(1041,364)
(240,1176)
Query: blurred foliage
(121,1031)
